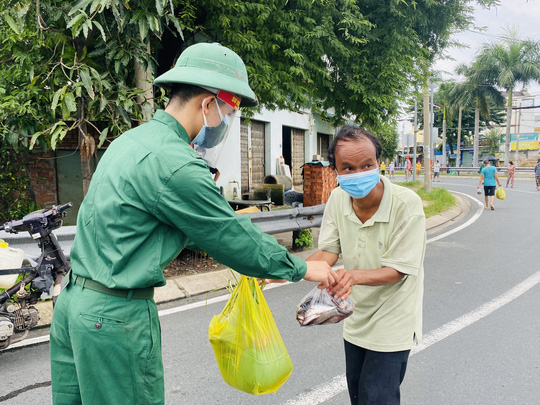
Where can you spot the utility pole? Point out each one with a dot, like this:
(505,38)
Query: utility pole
(508,125)
(427,140)
(476,157)
(407,142)
(458,156)
(444,138)
(414,144)
(518,121)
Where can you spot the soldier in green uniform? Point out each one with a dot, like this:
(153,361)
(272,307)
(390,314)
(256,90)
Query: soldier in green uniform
(151,196)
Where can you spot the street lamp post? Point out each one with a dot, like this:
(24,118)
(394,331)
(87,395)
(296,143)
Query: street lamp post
(414,143)
(518,122)
(427,140)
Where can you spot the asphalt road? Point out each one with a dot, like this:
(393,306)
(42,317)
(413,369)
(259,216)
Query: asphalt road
(481,326)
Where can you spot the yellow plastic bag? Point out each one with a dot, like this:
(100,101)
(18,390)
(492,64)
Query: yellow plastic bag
(500,194)
(249,350)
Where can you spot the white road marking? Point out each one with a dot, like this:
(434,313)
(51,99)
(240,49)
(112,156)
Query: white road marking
(170,311)
(481,312)
(164,312)
(338,384)
(326,391)
(29,342)
(477,214)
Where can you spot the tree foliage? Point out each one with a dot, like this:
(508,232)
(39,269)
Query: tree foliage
(506,64)
(70,65)
(354,58)
(67,65)
(15,201)
(492,141)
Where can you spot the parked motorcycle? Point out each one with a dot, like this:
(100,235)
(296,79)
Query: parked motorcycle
(41,279)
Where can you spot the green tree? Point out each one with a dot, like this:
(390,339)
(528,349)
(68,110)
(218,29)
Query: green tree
(73,66)
(356,58)
(481,93)
(15,201)
(444,99)
(492,142)
(511,62)
(388,136)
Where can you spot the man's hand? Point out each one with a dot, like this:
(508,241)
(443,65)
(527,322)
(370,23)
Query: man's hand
(321,273)
(343,286)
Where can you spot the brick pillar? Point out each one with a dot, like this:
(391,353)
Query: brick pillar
(42,173)
(319,181)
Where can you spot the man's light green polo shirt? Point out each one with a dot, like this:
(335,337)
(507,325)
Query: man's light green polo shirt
(386,318)
(150,196)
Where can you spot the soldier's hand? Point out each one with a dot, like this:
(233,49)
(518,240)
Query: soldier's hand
(321,273)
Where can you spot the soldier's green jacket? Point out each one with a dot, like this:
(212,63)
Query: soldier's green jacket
(152,195)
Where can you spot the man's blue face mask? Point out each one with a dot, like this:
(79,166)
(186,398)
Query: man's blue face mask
(359,185)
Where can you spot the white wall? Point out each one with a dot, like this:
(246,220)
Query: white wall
(230,161)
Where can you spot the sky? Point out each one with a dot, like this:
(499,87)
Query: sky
(520,15)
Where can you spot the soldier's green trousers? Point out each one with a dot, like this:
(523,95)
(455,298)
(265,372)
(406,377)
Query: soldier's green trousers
(105,349)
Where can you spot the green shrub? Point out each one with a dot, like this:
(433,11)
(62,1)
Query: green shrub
(436,201)
(15,199)
(304,239)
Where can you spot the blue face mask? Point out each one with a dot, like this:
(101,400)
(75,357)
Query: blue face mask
(209,142)
(360,184)
(209,137)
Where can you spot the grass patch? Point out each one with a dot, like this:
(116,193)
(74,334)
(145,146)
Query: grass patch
(435,202)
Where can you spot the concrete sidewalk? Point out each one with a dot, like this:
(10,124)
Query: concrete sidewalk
(186,286)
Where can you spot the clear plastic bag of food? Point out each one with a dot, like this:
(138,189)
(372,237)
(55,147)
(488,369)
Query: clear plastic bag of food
(318,307)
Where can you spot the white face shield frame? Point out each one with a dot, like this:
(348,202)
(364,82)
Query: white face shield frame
(209,142)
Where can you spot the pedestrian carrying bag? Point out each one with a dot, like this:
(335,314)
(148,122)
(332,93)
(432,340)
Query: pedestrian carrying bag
(249,350)
(500,194)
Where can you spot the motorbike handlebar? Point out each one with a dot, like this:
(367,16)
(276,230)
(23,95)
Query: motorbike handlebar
(56,212)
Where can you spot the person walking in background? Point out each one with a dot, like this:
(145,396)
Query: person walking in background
(391,168)
(490,179)
(510,174)
(437,171)
(537,174)
(408,167)
(383,168)
(418,168)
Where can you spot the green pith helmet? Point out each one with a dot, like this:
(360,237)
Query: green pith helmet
(212,66)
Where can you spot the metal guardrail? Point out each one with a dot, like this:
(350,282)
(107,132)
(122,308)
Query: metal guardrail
(474,170)
(270,222)
(294,219)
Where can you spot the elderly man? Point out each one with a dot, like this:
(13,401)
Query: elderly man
(379,228)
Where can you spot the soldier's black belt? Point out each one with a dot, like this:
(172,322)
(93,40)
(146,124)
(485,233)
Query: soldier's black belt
(135,293)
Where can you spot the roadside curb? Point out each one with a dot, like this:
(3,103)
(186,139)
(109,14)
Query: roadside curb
(187,286)
(436,222)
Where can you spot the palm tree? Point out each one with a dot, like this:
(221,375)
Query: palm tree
(458,101)
(506,64)
(443,98)
(481,94)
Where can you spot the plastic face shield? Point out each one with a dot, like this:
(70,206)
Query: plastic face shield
(208,144)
